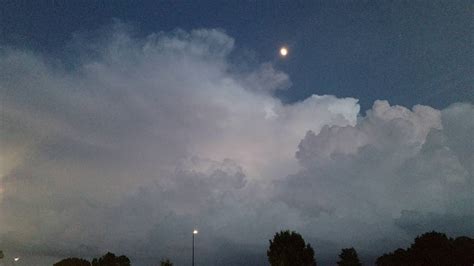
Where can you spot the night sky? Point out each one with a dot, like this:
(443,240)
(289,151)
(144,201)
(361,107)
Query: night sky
(124,125)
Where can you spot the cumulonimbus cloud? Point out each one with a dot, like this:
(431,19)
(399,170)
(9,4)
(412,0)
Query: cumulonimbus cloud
(135,141)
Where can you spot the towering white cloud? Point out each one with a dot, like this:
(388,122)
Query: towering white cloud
(397,172)
(135,141)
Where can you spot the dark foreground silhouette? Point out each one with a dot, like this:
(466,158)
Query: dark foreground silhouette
(108,259)
(73,262)
(288,248)
(432,249)
(348,257)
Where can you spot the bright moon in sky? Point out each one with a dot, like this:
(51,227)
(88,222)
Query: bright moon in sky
(283,51)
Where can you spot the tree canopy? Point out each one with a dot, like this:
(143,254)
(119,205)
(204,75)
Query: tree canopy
(73,262)
(289,249)
(348,257)
(110,259)
(432,248)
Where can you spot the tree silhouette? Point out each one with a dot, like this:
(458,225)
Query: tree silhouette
(72,262)
(432,248)
(463,250)
(289,249)
(166,262)
(110,259)
(398,257)
(348,257)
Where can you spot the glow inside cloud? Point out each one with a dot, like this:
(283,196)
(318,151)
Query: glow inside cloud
(132,142)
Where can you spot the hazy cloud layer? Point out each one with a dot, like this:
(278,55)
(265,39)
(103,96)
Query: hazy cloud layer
(132,142)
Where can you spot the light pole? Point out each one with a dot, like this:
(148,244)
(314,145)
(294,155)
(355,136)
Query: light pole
(195,232)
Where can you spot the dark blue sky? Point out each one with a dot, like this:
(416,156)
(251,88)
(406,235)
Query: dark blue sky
(407,52)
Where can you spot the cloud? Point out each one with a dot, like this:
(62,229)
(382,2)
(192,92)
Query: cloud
(267,79)
(131,142)
(392,173)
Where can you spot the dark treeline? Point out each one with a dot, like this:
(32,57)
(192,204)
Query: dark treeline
(429,249)
(288,248)
(432,249)
(108,259)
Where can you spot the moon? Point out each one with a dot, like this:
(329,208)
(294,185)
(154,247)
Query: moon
(283,51)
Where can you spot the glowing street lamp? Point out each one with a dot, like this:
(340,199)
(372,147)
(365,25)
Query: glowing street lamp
(195,232)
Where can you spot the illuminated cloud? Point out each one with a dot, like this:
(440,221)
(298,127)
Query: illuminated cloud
(131,144)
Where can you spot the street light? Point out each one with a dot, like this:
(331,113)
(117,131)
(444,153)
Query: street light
(195,232)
